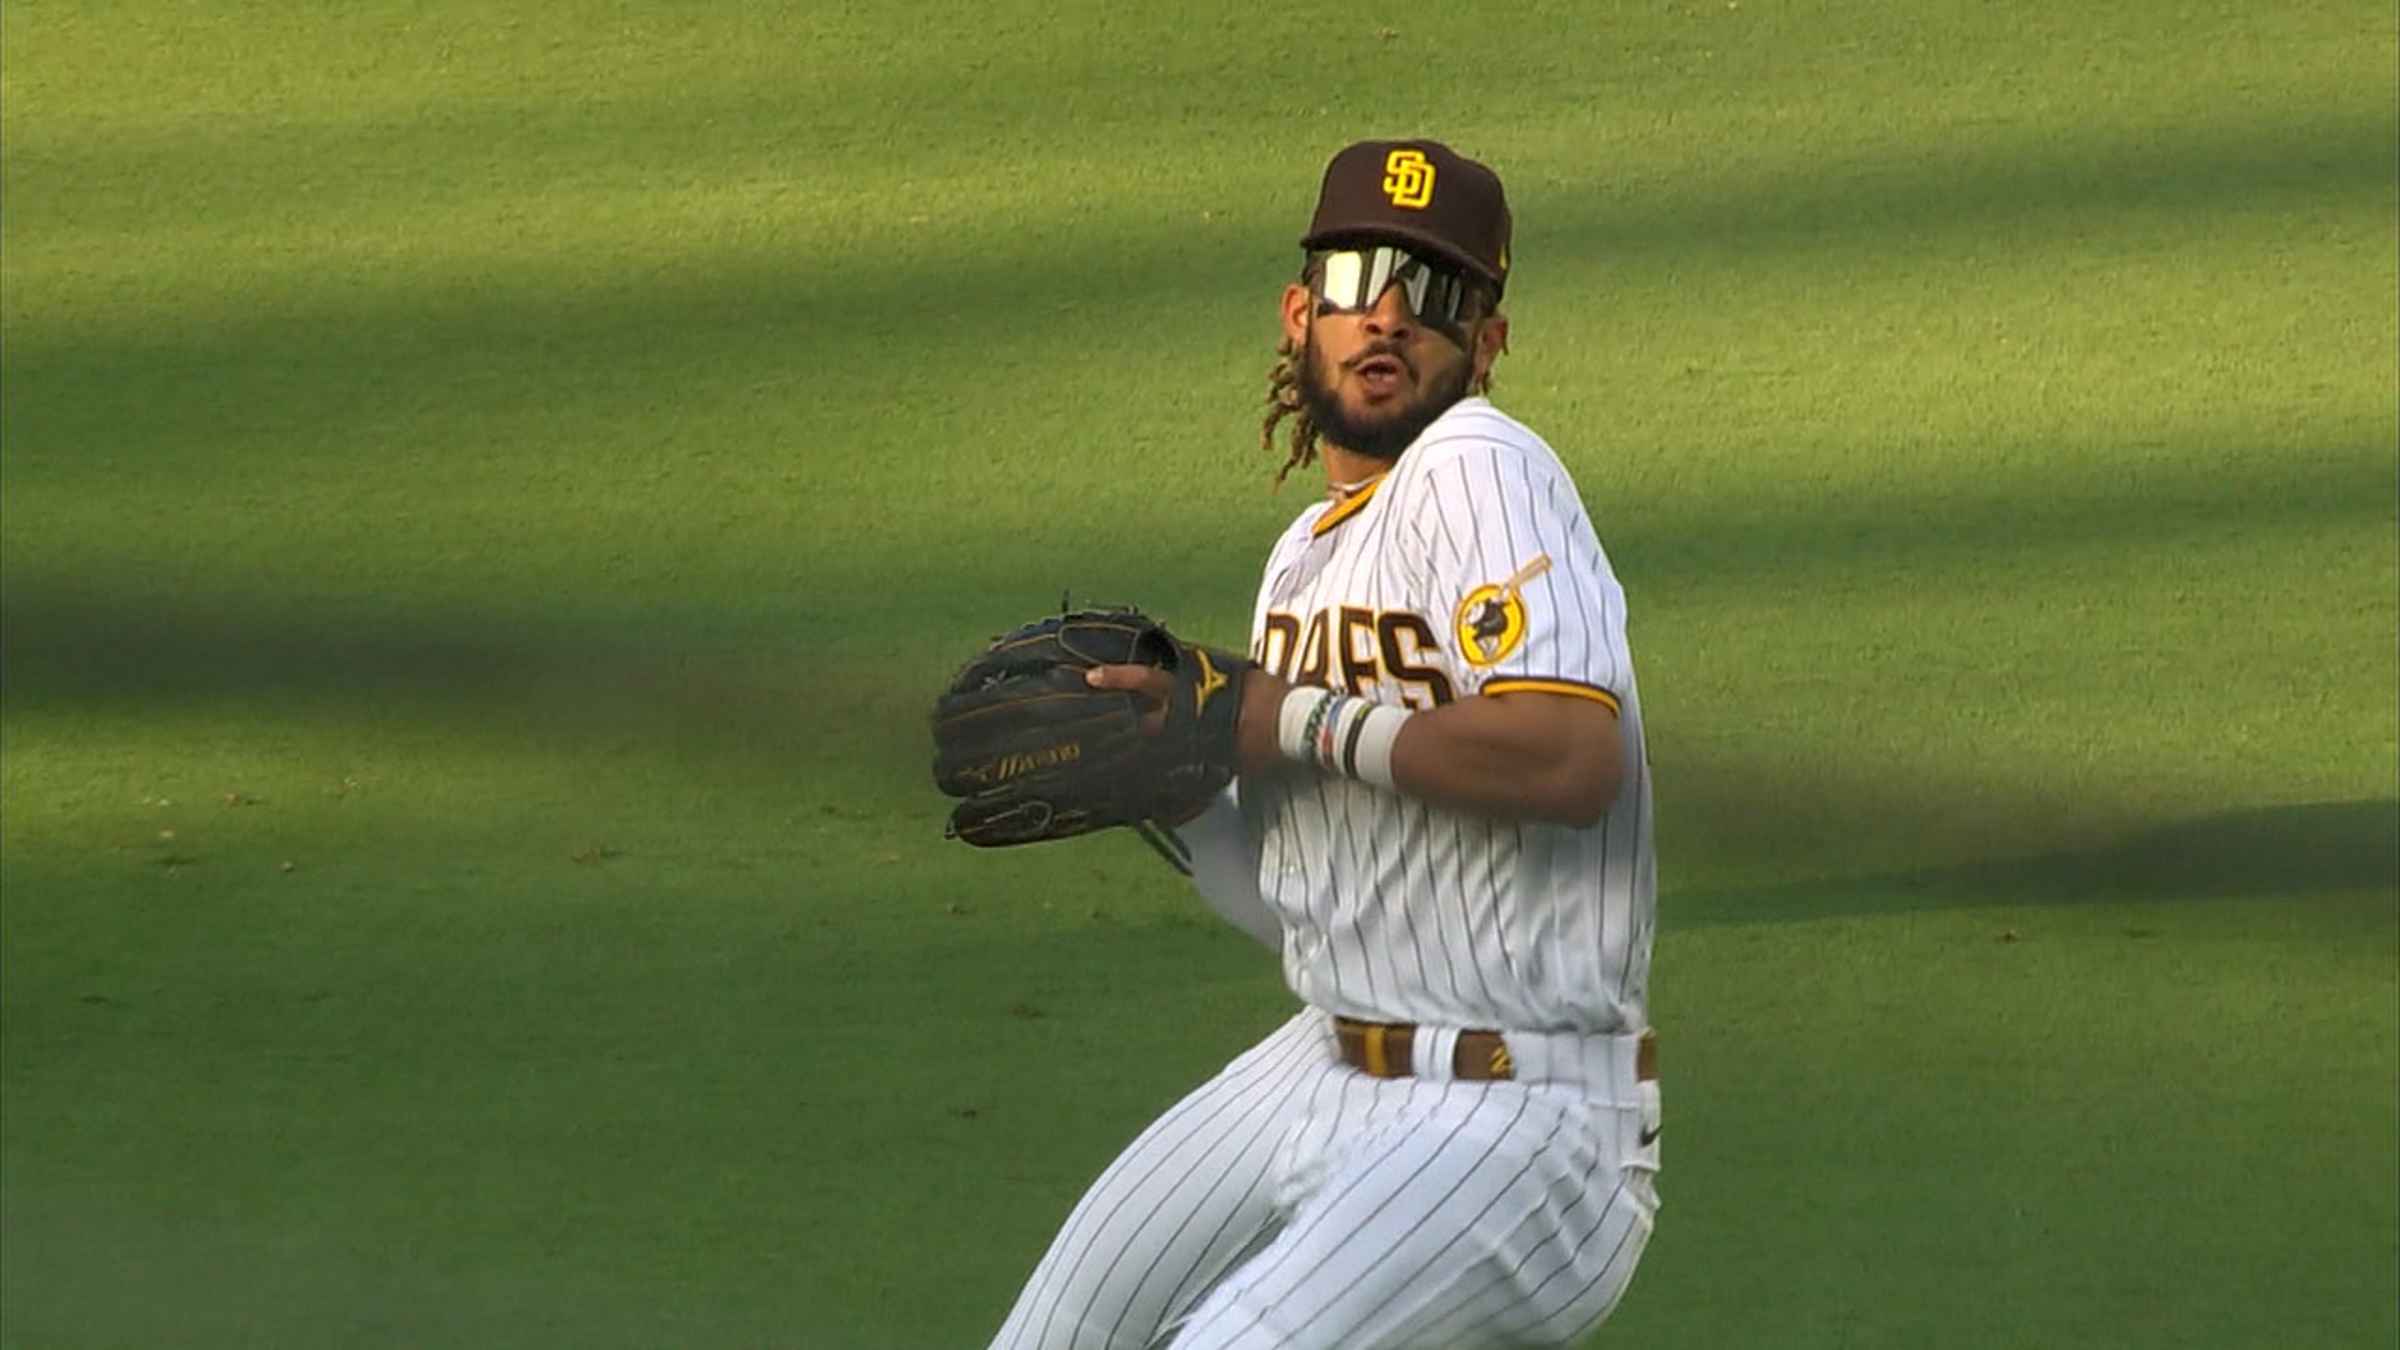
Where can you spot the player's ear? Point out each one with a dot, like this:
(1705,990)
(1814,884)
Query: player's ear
(1491,339)
(1298,302)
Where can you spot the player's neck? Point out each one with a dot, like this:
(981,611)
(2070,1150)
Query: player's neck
(1347,471)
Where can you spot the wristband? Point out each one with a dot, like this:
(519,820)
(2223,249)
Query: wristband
(1367,755)
(1346,736)
(1298,720)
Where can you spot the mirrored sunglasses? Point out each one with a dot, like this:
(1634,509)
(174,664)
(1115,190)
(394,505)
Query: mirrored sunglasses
(1352,280)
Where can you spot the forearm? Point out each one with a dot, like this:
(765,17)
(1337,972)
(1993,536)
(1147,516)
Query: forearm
(1521,756)
(1485,756)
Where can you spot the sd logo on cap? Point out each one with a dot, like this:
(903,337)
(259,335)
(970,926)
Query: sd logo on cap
(1408,179)
(1415,192)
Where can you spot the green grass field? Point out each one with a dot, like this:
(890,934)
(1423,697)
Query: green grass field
(486,494)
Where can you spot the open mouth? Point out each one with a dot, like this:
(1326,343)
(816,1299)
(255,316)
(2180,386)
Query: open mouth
(1380,373)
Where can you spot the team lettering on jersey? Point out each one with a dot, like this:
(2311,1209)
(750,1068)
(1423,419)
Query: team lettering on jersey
(1352,649)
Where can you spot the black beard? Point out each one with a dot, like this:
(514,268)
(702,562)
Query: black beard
(1387,434)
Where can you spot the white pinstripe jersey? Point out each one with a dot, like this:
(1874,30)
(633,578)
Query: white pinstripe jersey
(1396,910)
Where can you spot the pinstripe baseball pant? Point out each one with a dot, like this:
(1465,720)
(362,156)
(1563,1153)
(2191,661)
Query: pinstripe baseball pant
(1294,1202)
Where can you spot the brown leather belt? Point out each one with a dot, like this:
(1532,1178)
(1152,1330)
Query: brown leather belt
(1386,1050)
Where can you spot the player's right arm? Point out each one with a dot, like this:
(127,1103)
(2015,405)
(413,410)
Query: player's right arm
(1520,755)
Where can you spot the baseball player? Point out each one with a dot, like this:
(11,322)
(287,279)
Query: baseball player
(1442,824)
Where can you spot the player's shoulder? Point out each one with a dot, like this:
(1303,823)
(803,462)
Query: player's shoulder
(1475,419)
(1296,536)
(1476,442)
(1304,526)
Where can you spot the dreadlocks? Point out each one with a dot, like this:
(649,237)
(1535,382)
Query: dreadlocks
(1283,400)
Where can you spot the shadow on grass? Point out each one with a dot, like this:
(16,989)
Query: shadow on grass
(281,386)
(2320,848)
(1995,190)
(301,378)
(93,638)
(811,686)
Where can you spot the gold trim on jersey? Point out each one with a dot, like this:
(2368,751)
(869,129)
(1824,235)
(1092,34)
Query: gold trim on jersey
(1595,693)
(1348,506)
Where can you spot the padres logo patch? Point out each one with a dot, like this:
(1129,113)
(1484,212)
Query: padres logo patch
(1408,179)
(1491,622)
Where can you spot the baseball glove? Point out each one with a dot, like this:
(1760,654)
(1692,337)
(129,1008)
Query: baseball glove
(1035,753)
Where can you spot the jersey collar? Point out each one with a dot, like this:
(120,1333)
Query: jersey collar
(1350,506)
(1357,501)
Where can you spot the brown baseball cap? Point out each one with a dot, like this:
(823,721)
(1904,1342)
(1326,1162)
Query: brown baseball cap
(1416,192)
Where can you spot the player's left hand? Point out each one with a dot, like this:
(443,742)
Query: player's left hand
(1254,734)
(1149,683)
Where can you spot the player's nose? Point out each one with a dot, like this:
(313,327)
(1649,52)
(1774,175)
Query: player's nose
(1390,315)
